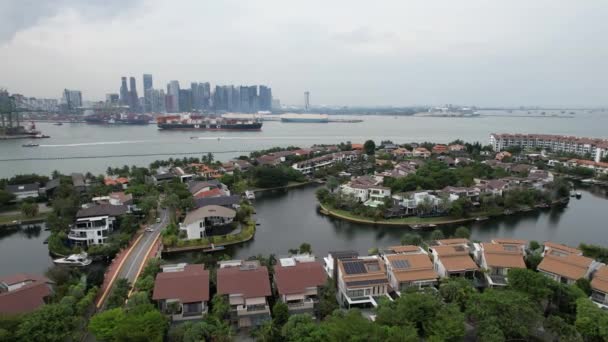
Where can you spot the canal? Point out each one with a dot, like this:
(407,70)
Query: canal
(289,218)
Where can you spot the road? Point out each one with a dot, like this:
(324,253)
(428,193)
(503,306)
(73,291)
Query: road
(136,257)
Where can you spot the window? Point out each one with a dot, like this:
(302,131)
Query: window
(200,224)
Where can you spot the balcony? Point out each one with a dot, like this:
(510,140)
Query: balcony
(242,310)
(307,304)
(77,236)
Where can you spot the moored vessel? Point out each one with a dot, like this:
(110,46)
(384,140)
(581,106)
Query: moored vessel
(202,122)
(81,259)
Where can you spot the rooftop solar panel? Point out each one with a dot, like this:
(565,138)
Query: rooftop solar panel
(354,267)
(400,264)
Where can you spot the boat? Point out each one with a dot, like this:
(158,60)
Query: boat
(30,145)
(118,119)
(80,260)
(210,123)
(424,225)
(481,218)
(305,118)
(250,195)
(578,195)
(58,124)
(214,248)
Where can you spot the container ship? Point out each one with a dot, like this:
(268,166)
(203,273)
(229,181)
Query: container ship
(292,117)
(118,119)
(202,122)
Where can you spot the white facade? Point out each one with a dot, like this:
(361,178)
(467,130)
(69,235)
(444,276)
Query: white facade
(196,230)
(91,230)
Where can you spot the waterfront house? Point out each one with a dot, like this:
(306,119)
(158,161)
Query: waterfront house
(114,181)
(330,262)
(412,202)
(361,281)
(297,280)
(471,193)
(440,149)
(182,291)
(23,293)
(23,191)
(598,167)
(497,259)
(409,267)
(367,190)
(599,287)
(79,182)
(232,201)
(51,186)
(310,166)
(452,258)
(494,187)
(94,224)
(421,152)
(201,222)
(206,171)
(120,198)
(242,165)
(247,287)
(565,264)
(161,178)
(183,176)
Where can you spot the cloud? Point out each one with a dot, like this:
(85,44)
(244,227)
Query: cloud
(18,15)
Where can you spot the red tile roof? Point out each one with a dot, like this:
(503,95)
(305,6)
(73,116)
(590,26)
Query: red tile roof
(189,285)
(296,279)
(216,192)
(25,299)
(250,283)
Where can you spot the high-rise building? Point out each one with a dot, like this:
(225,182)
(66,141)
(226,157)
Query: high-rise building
(124,92)
(72,99)
(173,93)
(206,95)
(265,98)
(148,87)
(112,98)
(157,98)
(253,99)
(244,98)
(185,100)
(133,98)
(306,100)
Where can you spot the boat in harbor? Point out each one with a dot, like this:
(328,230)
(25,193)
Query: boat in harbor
(250,195)
(79,260)
(481,218)
(305,118)
(118,119)
(30,145)
(578,195)
(423,226)
(210,123)
(58,124)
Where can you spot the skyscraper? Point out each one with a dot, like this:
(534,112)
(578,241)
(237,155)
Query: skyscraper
(306,100)
(133,98)
(265,98)
(72,99)
(148,86)
(112,99)
(173,93)
(124,92)
(185,100)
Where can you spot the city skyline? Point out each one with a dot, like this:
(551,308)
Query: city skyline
(489,54)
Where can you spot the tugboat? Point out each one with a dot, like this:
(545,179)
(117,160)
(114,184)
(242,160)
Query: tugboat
(79,260)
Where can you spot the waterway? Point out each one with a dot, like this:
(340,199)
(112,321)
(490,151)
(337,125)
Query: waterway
(288,218)
(107,142)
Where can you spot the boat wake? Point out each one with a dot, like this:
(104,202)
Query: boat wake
(98,143)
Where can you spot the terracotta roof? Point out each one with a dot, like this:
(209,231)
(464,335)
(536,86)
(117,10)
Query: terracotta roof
(404,249)
(455,241)
(497,255)
(250,283)
(208,211)
(189,285)
(562,248)
(504,241)
(569,266)
(419,267)
(215,192)
(589,162)
(365,270)
(27,298)
(455,259)
(296,279)
(600,279)
(121,196)
(115,181)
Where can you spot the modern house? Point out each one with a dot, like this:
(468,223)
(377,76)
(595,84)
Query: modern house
(599,287)
(452,258)
(297,280)
(51,186)
(309,166)
(200,222)
(361,282)
(164,177)
(94,224)
(247,287)
(409,267)
(182,291)
(120,198)
(79,182)
(23,191)
(565,264)
(23,293)
(497,259)
(232,201)
(421,152)
(330,262)
(204,189)
(366,190)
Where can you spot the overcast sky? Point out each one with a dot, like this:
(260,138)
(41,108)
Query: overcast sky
(510,52)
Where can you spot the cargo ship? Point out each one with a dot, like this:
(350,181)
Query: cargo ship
(293,117)
(118,119)
(211,123)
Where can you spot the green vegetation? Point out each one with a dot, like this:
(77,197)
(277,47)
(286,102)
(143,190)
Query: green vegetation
(214,327)
(170,237)
(275,176)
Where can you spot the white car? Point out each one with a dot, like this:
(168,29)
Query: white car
(149,229)
(158,220)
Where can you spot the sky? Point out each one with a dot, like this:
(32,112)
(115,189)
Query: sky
(354,53)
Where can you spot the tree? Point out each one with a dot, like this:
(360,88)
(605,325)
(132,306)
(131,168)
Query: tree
(52,322)
(585,285)
(419,308)
(5,197)
(591,322)
(327,299)
(561,330)
(29,209)
(533,245)
(457,290)
(411,239)
(529,282)
(104,324)
(369,147)
(120,292)
(332,183)
(448,324)
(300,328)
(437,235)
(517,318)
(462,232)
(305,248)
(280,314)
